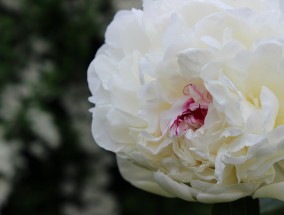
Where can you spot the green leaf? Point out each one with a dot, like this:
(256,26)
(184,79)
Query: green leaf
(244,206)
(271,207)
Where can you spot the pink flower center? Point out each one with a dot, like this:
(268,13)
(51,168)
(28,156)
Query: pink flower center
(194,110)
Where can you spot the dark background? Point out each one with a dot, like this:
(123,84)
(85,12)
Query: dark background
(49,163)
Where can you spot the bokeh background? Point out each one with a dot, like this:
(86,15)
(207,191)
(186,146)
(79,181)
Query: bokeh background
(49,163)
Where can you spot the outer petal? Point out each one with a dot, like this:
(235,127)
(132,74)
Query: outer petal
(179,190)
(271,191)
(214,193)
(123,127)
(100,133)
(127,36)
(140,177)
(100,95)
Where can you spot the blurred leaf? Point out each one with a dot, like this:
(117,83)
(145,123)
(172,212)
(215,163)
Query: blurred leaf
(271,207)
(244,206)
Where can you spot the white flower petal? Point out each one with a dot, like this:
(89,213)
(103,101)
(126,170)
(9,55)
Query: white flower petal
(192,60)
(174,188)
(120,37)
(270,107)
(140,177)
(100,133)
(123,127)
(212,193)
(271,191)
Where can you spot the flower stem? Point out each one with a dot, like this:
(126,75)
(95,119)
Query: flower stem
(244,206)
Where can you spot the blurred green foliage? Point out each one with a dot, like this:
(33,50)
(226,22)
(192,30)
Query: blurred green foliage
(57,39)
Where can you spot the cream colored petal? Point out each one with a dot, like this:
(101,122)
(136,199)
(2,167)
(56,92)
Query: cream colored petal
(270,108)
(275,191)
(179,190)
(279,169)
(227,100)
(100,95)
(192,60)
(100,133)
(123,127)
(176,26)
(127,36)
(140,177)
(214,193)
(194,10)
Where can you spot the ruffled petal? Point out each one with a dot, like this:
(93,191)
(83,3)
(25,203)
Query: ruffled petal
(271,191)
(100,133)
(140,177)
(179,190)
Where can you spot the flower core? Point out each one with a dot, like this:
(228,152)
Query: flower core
(194,110)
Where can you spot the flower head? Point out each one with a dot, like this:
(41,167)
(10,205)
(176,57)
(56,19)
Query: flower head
(189,95)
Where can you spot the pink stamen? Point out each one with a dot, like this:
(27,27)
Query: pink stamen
(194,110)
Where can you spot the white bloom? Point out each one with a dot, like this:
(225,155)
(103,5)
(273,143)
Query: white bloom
(189,95)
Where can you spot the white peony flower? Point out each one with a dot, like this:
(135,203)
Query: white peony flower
(189,94)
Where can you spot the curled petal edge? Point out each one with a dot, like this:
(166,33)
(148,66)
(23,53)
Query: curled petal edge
(274,191)
(140,177)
